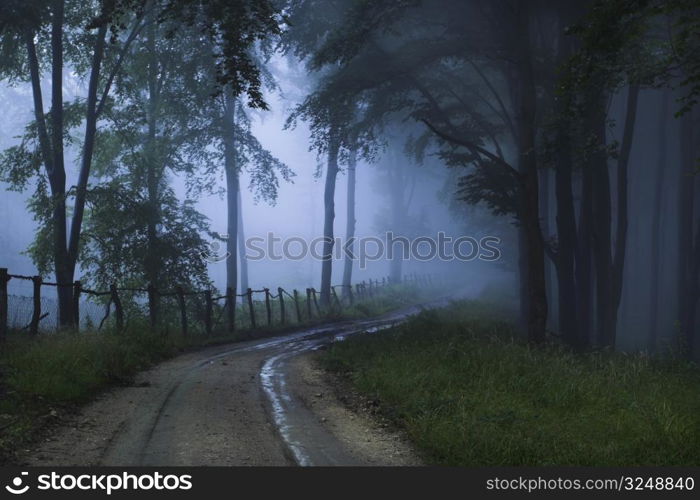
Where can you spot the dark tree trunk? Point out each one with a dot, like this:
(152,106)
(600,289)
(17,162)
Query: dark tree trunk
(525,98)
(566,248)
(688,258)
(65,248)
(618,262)
(241,244)
(659,177)
(602,225)
(609,268)
(584,264)
(232,188)
(523,285)
(693,295)
(550,258)
(153,165)
(329,217)
(57,177)
(397,190)
(88,145)
(350,224)
(569,315)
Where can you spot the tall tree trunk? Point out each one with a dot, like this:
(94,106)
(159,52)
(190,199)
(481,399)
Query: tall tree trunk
(241,244)
(550,258)
(523,285)
(655,234)
(65,247)
(525,98)
(693,294)
(566,235)
(568,302)
(329,217)
(623,158)
(584,262)
(57,178)
(609,268)
(232,187)
(602,224)
(687,257)
(350,223)
(397,190)
(88,145)
(153,163)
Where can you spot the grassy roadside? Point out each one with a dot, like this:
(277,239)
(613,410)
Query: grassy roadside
(42,378)
(467,393)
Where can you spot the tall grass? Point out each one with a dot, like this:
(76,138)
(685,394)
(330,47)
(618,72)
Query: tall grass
(468,393)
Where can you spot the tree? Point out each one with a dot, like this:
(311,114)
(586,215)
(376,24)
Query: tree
(350,220)
(154,133)
(409,75)
(236,150)
(624,44)
(50,34)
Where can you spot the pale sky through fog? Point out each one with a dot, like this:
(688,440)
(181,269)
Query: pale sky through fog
(298,211)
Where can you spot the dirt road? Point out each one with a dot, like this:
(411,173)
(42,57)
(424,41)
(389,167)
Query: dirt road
(255,403)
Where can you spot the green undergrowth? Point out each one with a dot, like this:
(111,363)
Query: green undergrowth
(468,392)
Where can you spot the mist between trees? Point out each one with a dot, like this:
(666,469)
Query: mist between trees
(137,132)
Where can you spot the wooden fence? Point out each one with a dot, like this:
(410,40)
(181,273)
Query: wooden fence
(284,304)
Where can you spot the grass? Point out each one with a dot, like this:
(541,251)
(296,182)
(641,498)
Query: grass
(44,376)
(468,393)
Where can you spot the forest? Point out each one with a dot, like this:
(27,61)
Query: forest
(180,166)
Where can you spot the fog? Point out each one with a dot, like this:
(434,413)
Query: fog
(297,211)
(562,168)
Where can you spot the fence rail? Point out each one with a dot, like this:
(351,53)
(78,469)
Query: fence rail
(196,309)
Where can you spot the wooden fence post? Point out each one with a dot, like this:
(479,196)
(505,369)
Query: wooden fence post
(350,297)
(279,293)
(208,311)
(183,309)
(250,306)
(118,312)
(36,313)
(152,306)
(308,302)
(4,278)
(335,296)
(77,289)
(268,310)
(296,305)
(231,304)
(318,310)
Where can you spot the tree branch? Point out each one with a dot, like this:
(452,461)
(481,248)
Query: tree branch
(473,147)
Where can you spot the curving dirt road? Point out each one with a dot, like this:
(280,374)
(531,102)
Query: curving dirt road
(255,403)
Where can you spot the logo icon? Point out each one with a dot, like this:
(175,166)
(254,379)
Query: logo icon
(213,252)
(16,487)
